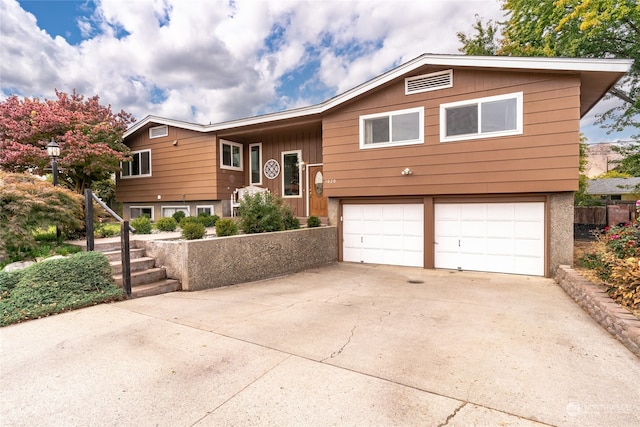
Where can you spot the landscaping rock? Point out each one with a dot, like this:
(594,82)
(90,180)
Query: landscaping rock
(19,265)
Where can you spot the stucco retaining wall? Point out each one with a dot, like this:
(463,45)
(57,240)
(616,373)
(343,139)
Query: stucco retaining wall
(615,319)
(222,261)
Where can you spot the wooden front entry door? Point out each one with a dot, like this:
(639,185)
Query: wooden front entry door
(317,199)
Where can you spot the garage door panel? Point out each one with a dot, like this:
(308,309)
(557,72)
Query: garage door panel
(500,247)
(504,229)
(387,234)
(498,237)
(473,228)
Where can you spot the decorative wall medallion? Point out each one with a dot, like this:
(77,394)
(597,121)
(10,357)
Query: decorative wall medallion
(271,168)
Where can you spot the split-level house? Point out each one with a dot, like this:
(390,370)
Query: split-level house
(446,161)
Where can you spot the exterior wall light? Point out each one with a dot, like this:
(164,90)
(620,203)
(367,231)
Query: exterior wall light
(406,171)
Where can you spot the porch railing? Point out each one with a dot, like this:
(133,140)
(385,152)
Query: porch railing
(125,228)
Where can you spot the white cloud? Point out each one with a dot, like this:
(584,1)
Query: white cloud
(211,61)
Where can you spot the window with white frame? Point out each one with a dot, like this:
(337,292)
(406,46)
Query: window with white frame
(255,160)
(158,131)
(139,166)
(230,155)
(481,118)
(137,211)
(170,210)
(208,209)
(291,173)
(401,127)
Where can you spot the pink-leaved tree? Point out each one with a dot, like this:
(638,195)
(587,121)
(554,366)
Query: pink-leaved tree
(88,133)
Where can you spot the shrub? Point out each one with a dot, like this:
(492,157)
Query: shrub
(208,220)
(264,212)
(192,230)
(616,261)
(186,220)
(313,221)
(142,224)
(58,285)
(28,204)
(107,230)
(178,215)
(226,227)
(167,223)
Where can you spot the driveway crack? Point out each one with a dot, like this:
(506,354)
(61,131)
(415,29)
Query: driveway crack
(337,353)
(450,417)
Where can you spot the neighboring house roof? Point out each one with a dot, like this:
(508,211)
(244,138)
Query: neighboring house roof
(597,76)
(613,186)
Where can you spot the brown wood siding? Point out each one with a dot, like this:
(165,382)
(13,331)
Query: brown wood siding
(181,172)
(542,159)
(307,138)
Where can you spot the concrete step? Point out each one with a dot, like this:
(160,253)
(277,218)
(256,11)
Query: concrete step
(143,277)
(133,253)
(155,288)
(137,264)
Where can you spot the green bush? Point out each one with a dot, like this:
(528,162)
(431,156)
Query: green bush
(108,229)
(192,230)
(55,286)
(313,221)
(208,220)
(167,223)
(264,212)
(178,215)
(187,220)
(142,224)
(226,227)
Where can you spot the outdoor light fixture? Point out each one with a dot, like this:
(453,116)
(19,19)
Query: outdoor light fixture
(53,150)
(406,171)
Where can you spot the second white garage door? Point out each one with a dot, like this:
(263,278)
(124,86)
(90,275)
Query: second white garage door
(383,234)
(495,237)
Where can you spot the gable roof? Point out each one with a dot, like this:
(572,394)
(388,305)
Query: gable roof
(612,186)
(597,77)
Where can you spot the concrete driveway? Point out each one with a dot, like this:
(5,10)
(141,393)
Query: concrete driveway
(346,344)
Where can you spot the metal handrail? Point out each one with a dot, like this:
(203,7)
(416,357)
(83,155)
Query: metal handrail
(125,228)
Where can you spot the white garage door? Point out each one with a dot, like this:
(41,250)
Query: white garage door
(496,237)
(384,234)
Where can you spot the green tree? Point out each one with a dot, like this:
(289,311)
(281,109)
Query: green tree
(573,28)
(483,42)
(630,164)
(88,133)
(28,203)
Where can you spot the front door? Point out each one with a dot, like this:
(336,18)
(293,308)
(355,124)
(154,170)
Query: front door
(317,199)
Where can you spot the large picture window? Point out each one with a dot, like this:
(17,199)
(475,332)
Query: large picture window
(255,159)
(402,127)
(291,173)
(139,166)
(481,118)
(230,155)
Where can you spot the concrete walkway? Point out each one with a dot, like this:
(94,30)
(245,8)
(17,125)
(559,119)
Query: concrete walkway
(348,344)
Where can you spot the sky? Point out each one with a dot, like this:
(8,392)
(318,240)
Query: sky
(209,61)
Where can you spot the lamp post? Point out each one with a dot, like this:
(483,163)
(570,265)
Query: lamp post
(53,150)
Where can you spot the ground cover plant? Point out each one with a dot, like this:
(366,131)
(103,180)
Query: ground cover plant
(614,262)
(54,286)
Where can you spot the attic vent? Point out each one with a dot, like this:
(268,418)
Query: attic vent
(427,82)
(158,132)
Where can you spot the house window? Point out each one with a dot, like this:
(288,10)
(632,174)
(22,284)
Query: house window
(291,173)
(481,118)
(402,127)
(158,132)
(204,209)
(255,159)
(137,211)
(139,166)
(170,210)
(231,155)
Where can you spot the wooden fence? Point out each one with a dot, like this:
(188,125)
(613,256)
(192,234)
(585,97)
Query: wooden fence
(587,219)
